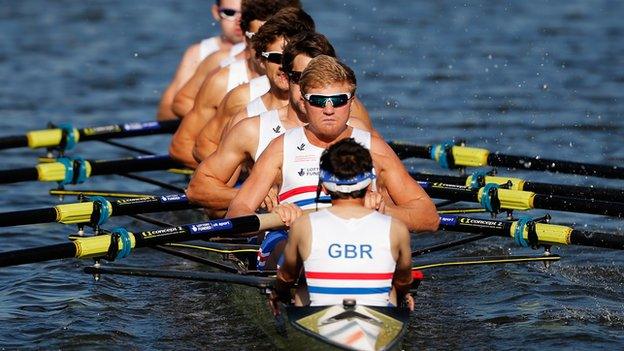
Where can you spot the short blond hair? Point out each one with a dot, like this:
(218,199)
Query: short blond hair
(324,70)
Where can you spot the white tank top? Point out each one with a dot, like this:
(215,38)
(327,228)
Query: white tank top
(349,259)
(270,128)
(235,50)
(237,74)
(256,106)
(300,167)
(207,47)
(257,87)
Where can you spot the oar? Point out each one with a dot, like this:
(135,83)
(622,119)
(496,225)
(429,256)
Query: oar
(508,199)
(66,136)
(230,278)
(486,260)
(543,233)
(96,211)
(455,156)
(76,170)
(120,242)
(588,192)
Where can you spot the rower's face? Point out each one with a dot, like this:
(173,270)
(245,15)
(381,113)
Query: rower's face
(299,64)
(230,24)
(273,69)
(254,26)
(328,121)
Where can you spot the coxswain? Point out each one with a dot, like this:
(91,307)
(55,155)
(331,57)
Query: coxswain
(227,13)
(347,251)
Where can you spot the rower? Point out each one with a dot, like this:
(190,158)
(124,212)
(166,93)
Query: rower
(268,45)
(348,251)
(227,13)
(212,184)
(215,86)
(291,160)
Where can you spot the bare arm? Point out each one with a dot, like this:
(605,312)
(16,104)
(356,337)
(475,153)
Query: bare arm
(185,96)
(293,259)
(185,70)
(411,204)
(211,185)
(183,141)
(358,110)
(211,134)
(400,239)
(260,180)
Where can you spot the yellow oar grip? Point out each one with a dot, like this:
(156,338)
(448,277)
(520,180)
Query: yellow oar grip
(516,183)
(513,199)
(47,137)
(55,171)
(547,233)
(76,213)
(470,156)
(97,245)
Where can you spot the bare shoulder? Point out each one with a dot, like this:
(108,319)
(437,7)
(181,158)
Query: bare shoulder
(272,154)
(246,128)
(237,96)
(299,226)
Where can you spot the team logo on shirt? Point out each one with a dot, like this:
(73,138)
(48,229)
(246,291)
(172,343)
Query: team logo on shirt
(310,171)
(301,147)
(277,129)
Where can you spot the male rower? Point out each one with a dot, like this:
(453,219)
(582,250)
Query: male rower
(215,86)
(268,45)
(227,13)
(212,184)
(291,161)
(348,251)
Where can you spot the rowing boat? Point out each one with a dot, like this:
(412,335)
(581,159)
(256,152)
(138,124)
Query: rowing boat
(346,326)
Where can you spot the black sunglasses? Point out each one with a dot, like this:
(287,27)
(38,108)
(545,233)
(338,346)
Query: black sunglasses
(294,76)
(273,56)
(227,13)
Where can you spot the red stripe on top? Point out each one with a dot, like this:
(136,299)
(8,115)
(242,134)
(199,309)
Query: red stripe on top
(418,275)
(297,191)
(354,276)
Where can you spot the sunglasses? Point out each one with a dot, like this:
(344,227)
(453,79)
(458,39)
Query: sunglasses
(294,76)
(249,34)
(228,14)
(273,56)
(318,100)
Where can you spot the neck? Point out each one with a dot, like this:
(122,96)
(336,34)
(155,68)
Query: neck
(324,141)
(350,202)
(278,94)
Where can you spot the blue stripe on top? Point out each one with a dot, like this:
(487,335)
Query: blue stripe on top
(347,291)
(305,202)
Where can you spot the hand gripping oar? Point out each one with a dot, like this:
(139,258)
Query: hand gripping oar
(496,199)
(479,179)
(531,233)
(76,170)
(120,242)
(66,137)
(95,211)
(449,155)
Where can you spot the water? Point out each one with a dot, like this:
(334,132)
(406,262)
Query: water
(525,77)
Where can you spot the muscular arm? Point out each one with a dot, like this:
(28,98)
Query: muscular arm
(209,97)
(211,185)
(358,110)
(185,70)
(410,204)
(260,180)
(185,96)
(211,134)
(400,239)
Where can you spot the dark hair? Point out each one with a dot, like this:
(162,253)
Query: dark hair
(286,23)
(311,44)
(262,10)
(346,159)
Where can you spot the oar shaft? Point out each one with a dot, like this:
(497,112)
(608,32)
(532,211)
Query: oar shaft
(597,239)
(40,215)
(128,130)
(37,254)
(135,164)
(570,204)
(544,164)
(14,141)
(19,175)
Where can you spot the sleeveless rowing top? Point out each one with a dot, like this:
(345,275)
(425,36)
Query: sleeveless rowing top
(256,106)
(207,47)
(349,258)
(300,167)
(237,74)
(235,50)
(270,128)
(257,87)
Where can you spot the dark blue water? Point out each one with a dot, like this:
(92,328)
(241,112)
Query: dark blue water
(524,77)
